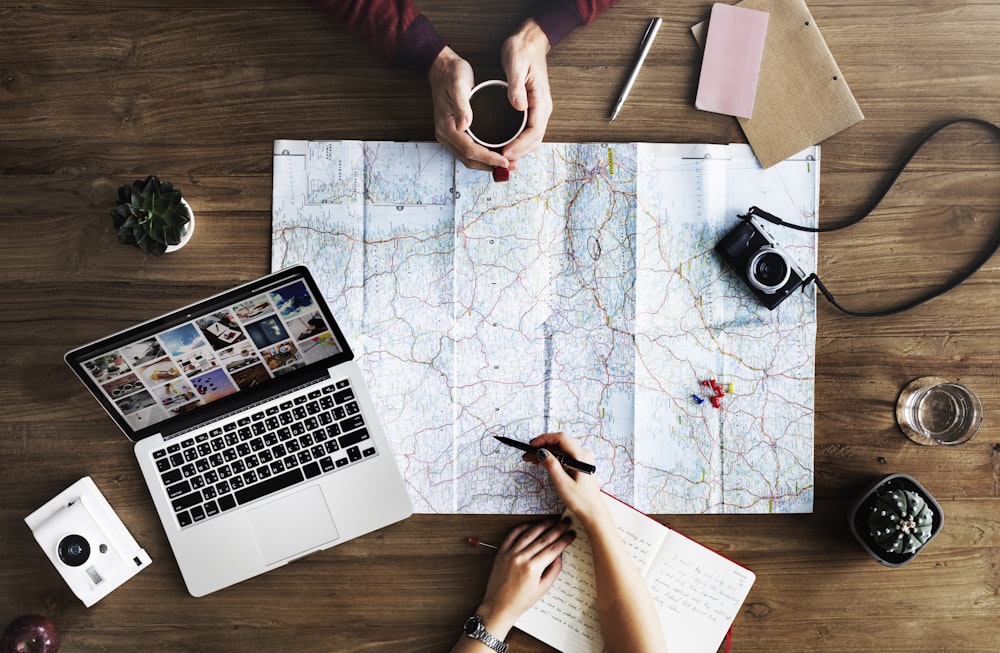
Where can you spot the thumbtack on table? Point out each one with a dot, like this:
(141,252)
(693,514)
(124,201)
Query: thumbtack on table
(475,541)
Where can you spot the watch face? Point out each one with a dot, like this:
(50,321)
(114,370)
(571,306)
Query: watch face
(472,625)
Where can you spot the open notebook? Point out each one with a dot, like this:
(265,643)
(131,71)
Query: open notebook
(697,591)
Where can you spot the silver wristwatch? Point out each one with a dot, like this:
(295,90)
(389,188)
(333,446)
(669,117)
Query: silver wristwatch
(474,629)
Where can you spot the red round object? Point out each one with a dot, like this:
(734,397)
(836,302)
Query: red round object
(30,633)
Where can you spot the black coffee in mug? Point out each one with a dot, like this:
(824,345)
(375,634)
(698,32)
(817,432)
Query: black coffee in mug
(494,120)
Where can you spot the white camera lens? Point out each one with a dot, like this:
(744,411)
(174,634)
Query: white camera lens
(768,270)
(74,550)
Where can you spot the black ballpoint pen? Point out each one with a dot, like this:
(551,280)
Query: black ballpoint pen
(567,461)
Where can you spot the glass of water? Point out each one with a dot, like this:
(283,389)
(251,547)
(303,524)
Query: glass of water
(932,410)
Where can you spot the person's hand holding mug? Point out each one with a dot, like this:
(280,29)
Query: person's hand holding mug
(524,57)
(512,128)
(451,79)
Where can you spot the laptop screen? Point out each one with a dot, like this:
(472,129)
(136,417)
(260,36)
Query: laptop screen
(238,347)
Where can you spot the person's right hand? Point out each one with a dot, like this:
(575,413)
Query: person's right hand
(580,492)
(451,79)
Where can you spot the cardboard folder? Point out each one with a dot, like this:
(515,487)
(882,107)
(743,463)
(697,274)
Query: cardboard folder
(802,97)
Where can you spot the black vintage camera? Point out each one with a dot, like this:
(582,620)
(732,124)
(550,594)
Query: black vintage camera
(765,267)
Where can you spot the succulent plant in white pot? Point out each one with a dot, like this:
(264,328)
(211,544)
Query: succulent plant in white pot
(152,215)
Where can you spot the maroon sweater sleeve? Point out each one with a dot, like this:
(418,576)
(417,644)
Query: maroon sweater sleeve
(394,28)
(558,18)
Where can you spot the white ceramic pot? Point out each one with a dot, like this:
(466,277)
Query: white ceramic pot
(187,232)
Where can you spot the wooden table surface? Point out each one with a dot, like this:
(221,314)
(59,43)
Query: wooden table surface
(94,94)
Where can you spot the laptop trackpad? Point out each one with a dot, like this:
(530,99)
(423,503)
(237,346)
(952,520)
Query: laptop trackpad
(292,525)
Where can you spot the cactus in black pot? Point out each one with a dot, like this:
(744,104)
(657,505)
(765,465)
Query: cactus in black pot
(900,521)
(894,519)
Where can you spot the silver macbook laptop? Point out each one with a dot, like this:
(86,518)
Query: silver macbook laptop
(254,428)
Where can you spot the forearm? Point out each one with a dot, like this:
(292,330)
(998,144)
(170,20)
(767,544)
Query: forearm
(628,616)
(395,28)
(558,18)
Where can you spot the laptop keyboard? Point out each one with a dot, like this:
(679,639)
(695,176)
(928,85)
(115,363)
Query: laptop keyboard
(249,457)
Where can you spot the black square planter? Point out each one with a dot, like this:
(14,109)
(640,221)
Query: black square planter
(857,517)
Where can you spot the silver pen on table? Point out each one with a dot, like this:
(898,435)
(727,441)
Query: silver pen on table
(647,42)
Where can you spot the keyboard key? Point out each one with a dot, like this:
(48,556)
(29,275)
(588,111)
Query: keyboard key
(354,454)
(178,489)
(271,485)
(172,476)
(211,509)
(197,513)
(183,519)
(353,438)
(227,502)
(368,452)
(311,470)
(186,501)
(351,423)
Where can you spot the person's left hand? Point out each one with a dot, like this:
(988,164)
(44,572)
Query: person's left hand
(524,61)
(525,567)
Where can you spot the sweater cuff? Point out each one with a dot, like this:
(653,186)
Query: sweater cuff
(557,18)
(419,47)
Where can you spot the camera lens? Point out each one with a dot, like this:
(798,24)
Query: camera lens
(768,270)
(74,550)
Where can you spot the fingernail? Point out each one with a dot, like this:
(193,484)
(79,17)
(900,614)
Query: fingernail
(542,454)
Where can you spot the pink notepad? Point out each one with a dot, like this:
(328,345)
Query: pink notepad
(730,67)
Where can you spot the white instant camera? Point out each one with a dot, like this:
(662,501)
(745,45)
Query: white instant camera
(86,541)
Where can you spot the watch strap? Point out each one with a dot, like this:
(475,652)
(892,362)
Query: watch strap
(474,628)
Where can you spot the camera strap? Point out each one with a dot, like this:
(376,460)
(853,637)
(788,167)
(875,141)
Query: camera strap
(987,255)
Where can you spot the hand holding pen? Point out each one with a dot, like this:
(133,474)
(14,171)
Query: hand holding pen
(539,453)
(580,492)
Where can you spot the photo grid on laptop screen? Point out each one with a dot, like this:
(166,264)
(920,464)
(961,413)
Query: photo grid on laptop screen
(215,355)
